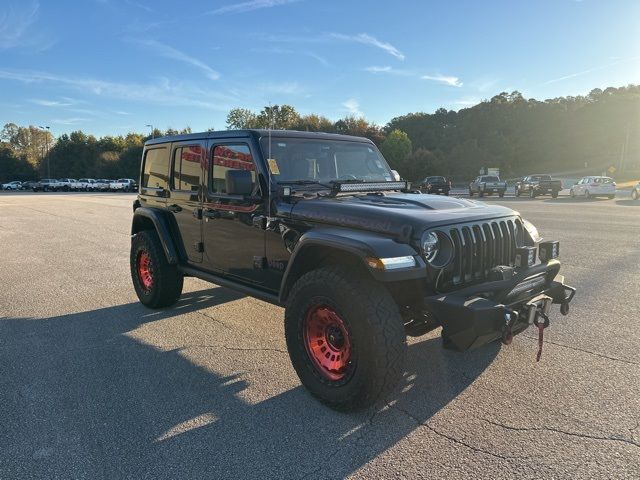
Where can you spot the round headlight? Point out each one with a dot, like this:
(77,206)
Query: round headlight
(430,246)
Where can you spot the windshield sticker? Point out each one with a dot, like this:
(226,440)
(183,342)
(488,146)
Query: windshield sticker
(273,166)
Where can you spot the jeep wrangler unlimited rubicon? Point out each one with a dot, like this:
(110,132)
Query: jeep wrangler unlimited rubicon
(317,224)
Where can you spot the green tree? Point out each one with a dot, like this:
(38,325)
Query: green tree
(241,118)
(396,148)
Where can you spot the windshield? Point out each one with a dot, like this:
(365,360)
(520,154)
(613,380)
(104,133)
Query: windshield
(435,179)
(541,178)
(490,179)
(319,160)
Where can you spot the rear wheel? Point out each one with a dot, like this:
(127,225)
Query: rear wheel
(554,194)
(157,283)
(345,337)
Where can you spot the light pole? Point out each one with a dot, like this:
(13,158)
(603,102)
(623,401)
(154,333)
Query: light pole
(46,147)
(151,126)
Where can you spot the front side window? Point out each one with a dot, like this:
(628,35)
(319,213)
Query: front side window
(156,168)
(230,157)
(318,160)
(187,168)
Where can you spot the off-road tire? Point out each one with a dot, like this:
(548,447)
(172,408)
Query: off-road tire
(375,330)
(167,279)
(554,194)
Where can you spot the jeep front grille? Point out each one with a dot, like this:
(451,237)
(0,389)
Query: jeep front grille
(478,247)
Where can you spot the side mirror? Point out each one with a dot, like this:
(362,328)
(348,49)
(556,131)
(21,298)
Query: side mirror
(396,175)
(238,182)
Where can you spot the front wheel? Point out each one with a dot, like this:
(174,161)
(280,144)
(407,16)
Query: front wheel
(554,194)
(532,193)
(157,283)
(345,337)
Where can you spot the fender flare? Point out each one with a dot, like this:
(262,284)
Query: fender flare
(161,226)
(360,245)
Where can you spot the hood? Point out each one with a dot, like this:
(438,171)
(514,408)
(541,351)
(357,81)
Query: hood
(394,214)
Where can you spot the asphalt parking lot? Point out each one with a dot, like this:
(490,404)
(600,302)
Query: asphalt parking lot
(94,385)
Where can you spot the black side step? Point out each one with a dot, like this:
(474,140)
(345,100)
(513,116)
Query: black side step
(230,284)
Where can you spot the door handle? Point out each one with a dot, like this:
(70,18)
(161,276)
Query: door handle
(174,208)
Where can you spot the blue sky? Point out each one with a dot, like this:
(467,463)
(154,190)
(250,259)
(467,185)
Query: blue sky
(113,66)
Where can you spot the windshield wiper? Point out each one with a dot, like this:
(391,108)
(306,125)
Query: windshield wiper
(305,182)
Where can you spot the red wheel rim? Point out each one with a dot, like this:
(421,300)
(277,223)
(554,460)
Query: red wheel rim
(327,341)
(145,272)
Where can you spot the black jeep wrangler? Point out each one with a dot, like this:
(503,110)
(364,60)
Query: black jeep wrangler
(317,224)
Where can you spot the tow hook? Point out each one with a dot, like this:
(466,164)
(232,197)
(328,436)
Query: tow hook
(539,308)
(510,318)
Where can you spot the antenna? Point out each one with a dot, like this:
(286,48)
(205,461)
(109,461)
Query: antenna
(269,165)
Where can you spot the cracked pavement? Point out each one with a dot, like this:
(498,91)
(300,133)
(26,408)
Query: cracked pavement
(94,385)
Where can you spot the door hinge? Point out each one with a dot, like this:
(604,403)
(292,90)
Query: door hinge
(199,247)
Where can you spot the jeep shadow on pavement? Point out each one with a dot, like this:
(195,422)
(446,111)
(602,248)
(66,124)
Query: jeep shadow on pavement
(316,223)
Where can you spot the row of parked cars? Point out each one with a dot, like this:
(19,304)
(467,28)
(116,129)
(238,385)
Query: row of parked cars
(532,186)
(73,185)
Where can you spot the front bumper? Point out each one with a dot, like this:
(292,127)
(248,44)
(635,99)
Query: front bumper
(477,315)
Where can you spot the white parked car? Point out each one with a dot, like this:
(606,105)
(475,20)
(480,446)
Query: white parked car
(83,184)
(101,185)
(66,183)
(123,185)
(589,187)
(15,185)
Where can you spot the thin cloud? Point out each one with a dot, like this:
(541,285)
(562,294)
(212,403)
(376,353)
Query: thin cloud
(249,6)
(69,121)
(175,54)
(162,92)
(50,103)
(353,107)
(389,71)
(15,28)
(444,79)
(367,39)
(589,70)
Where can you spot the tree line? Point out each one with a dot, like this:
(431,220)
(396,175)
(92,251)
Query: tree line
(571,135)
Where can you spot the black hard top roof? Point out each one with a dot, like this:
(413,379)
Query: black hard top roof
(256,133)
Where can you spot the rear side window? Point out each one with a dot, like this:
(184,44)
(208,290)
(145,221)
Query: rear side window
(155,173)
(187,168)
(230,157)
